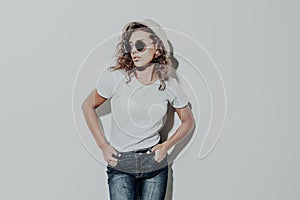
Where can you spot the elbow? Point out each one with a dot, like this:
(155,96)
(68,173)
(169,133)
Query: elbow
(193,124)
(189,122)
(85,105)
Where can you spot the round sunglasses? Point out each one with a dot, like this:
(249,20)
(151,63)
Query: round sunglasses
(139,45)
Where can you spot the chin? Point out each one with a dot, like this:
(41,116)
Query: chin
(138,64)
(141,64)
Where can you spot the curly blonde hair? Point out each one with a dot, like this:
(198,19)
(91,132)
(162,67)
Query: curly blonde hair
(124,60)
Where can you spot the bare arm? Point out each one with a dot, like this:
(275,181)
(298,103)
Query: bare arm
(88,106)
(187,123)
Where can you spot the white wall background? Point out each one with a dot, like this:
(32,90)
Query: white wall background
(254,43)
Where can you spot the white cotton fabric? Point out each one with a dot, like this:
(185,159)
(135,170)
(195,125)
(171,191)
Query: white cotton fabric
(138,110)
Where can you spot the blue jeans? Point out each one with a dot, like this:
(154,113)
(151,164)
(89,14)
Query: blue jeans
(137,176)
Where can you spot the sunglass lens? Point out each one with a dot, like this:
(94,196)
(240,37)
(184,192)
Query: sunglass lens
(139,45)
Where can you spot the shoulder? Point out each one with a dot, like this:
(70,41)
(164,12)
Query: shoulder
(108,82)
(177,96)
(114,74)
(172,83)
(114,71)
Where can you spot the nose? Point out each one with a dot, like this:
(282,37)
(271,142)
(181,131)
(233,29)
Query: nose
(133,50)
(133,53)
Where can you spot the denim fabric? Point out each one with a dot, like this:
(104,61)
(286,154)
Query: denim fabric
(137,176)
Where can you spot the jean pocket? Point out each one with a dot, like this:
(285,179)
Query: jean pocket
(110,170)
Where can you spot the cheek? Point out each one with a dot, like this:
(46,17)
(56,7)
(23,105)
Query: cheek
(149,57)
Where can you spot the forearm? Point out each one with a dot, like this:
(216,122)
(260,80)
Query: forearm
(92,122)
(182,131)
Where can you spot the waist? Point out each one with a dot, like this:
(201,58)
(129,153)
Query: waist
(143,150)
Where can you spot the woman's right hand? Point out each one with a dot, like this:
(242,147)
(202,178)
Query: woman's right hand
(108,152)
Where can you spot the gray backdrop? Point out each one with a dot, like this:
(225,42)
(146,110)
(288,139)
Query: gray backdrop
(254,44)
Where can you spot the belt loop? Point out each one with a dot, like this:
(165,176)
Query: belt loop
(149,150)
(118,152)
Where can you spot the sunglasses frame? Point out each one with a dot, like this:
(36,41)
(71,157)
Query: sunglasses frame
(135,45)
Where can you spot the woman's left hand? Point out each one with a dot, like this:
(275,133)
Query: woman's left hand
(160,152)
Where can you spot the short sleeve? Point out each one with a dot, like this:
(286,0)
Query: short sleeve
(179,97)
(107,82)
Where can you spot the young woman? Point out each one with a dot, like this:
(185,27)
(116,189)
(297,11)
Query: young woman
(140,90)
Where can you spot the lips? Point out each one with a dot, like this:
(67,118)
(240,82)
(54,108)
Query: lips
(135,58)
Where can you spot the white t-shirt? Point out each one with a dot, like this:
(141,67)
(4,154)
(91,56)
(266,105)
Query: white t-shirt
(138,110)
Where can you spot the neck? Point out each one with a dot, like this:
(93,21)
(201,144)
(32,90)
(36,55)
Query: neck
(143,68)
(145,73)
